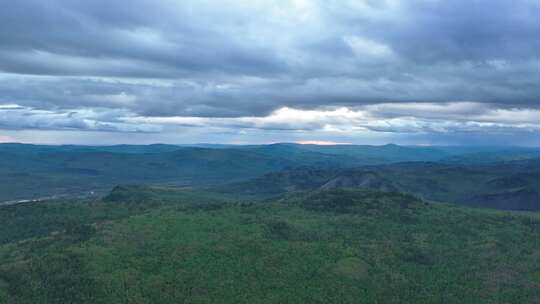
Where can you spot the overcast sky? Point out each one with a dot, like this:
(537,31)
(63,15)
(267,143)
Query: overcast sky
(359,71)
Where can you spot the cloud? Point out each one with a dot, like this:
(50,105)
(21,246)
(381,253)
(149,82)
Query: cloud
(394,118)
(363,47)
(13,117)
(401,120)
(5,139)
(396,66)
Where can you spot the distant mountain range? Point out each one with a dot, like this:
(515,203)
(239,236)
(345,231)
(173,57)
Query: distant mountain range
(483,176)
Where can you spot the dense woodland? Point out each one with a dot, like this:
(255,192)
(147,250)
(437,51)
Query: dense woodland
(162,245)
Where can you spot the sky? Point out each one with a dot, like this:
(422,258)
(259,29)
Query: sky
(415,72)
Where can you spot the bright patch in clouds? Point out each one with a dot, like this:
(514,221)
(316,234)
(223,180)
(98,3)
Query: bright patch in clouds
(363,47)
(5,139)
(383,118)
(381,123)
(396,118)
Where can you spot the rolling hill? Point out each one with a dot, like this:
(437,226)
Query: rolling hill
(506,185)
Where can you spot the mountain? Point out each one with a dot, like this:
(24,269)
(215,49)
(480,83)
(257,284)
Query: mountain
(29,148)
(296,179)
(495,155)
(505,185)
(164,245)
(43,173)
(36,171)
(522,199)
(391,153)
(309,178)
(518,180)
(436,173)
(369,180)
(33,171)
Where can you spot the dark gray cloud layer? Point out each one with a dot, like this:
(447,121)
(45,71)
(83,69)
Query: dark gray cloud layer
(249,58)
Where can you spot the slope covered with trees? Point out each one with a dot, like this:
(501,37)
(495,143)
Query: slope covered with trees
(148,245)
(511,185)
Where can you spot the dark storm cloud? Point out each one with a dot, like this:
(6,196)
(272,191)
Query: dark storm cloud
(137,40)
(248,58)
(477,30)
